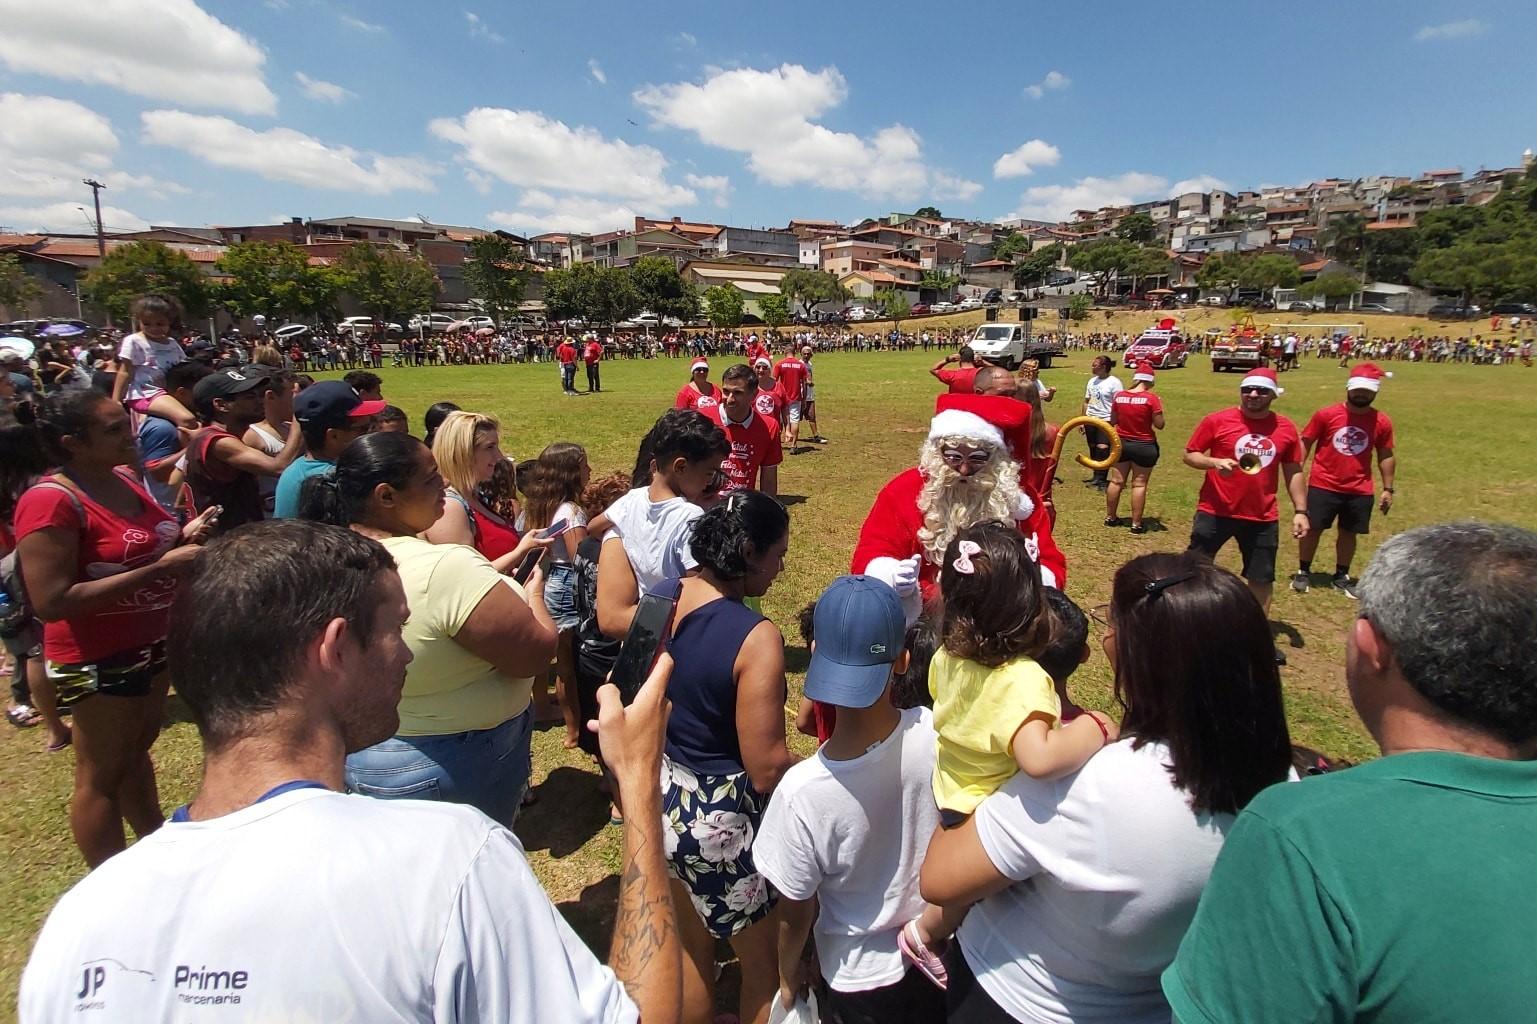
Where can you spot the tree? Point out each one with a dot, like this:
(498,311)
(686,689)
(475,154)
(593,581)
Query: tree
(1345,237)
(1391,254)
(598,295)
(493,268)
(145,268)
(386,282)
(1033,269)
(1078,306)
(892,303)
(933,280)
(1147,261)
(1257,271)
(723,305)
(1331,287)
(775,309)
(662,289)
(810,288)
(1104,258)
(17,288)
(1137,227)
(1011,245)
(932,213)
(273,279)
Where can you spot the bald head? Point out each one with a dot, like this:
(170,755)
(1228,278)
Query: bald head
(994,380)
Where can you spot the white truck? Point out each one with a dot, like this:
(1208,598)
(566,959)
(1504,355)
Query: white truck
(1008,345)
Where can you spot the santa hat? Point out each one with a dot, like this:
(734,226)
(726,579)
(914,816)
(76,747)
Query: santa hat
(1145,372)
(1367,376)
(996,419)
(956,423)
(699,364)
(1262,377)
(762,361)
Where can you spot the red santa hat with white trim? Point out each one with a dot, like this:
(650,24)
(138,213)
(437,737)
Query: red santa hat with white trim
(994,419)
(1262,377)
(1145,372)
(1367,376)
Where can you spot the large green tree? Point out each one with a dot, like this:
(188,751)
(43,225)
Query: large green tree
(1137,227)
(723,305)
(892,303)
(811,288)
(1229,271)
(775,309)
(663,290)
(274,279)
(931,212)
(1391,254)
(1104,258)
(494,270)
(387,283)
(144,268)
(1345,238)
(1011,245)
(598,295)
(1032,270)
(17,287)
(1331,287)
(1483,253)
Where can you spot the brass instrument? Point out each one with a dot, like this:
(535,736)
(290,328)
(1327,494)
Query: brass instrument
(1250,463)
(1084,460)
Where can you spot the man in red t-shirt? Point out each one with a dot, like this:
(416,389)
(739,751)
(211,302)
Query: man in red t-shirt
(565,353)
(769,402)
(1340,484)
(962,379)
(791,373)
(1244,452)
(755,456)
(592,355)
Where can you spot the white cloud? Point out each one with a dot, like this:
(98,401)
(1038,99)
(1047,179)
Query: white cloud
(1053,81)
(687,39)
(317,89)
(538,212)
(1022,162)
(1199,183)
(596,70)
(771,117)
(1451,30)
(480,30)
(282,154)
(73,218)
(52,143)
(528,149)
(1057,202)
(360,25)
(717,185)
(479,182)
(163,49)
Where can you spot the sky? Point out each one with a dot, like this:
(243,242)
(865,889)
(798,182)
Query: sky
(581,115)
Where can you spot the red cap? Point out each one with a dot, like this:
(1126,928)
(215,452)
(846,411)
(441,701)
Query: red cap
(1263,377)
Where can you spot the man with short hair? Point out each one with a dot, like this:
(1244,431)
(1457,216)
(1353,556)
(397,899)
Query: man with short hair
(809,398)
(369,386)
(1340,484)
(844,836)
(221,468)
(961,380)
(1400,889)
(755,456)
(592,356)
(995,380)
(330,416)
(1245,452)
(791,372)
(275,895)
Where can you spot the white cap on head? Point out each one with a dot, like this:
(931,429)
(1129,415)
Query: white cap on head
(958,423)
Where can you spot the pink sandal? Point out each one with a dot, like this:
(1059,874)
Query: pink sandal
(920,956)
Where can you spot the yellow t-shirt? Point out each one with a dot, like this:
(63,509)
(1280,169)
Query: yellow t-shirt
(977,711)
(448,689)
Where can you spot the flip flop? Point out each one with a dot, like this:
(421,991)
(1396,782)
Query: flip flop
(54,748)
(919,955)
(23,716)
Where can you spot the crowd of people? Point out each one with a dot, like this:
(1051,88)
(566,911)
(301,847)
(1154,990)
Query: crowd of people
(364,621)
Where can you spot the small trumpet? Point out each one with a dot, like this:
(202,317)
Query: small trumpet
(1084,460)
(1250,463)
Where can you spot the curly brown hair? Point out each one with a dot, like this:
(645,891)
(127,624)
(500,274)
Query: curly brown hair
(996,612)
(602,492)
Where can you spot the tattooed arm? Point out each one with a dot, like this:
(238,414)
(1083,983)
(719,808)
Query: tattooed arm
(645,954)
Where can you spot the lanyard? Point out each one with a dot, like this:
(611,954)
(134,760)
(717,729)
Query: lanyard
(180,814)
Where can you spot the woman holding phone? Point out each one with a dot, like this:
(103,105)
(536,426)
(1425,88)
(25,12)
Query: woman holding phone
(476,637)
(467,448)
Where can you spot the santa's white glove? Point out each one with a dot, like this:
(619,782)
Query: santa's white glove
(901,576)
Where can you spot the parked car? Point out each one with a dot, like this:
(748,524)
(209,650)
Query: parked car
(1453,311)
(1513,309)
(1213,300)
(1301,307)
(353,324)
(1162,346)
(942,307)
(859,313)
(1006,345)
(475,323)
(1373,307)
(993,295)
(432,322)
(918,309)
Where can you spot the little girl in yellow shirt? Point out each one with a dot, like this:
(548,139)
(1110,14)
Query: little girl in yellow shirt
(995,709)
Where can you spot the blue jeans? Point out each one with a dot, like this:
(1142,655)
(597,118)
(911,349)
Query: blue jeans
(486,768)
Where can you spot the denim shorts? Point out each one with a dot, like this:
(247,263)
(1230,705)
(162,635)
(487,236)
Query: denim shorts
(485,768)
(560,595)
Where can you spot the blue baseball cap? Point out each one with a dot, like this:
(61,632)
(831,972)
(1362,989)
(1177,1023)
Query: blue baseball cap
(859,630)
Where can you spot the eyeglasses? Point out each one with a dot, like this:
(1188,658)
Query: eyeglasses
(1254,391)
(1100,613)
(955,458)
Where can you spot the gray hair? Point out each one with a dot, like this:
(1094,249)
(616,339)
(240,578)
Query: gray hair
(1457,603)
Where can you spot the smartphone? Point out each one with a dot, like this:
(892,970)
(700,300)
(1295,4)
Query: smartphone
(651,625)
(525,568)
(555,529)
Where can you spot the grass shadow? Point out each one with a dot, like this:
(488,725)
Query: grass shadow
(1293,636)
(176,712)
(1154,525)
(792,499)
(591,914)
(797,659)
(570,811)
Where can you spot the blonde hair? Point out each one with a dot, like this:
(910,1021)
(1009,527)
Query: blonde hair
(453,446)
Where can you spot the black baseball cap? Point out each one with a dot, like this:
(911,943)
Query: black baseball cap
(331,403)
(226,384)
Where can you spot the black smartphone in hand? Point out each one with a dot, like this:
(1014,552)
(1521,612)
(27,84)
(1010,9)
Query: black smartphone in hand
(649,627)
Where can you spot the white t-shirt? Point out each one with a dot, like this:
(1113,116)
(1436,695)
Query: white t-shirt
(1111,862)
(150,360)
(655,534)
(853,834)
(317,906)
(1099,394)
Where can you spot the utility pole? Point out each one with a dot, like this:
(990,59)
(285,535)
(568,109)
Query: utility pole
(101,237)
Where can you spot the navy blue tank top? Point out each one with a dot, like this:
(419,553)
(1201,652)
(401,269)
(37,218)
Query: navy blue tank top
(701,732)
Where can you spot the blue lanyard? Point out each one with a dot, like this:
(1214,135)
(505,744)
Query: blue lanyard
(180,814)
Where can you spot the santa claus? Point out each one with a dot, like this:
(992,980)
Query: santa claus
(967,472)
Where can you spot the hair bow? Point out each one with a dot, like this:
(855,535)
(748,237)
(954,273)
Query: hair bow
(962,563)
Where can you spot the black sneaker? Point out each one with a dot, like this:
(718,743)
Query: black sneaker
(1300,582)
(1347,586)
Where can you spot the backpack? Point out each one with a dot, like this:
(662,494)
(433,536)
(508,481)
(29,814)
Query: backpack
(16,613)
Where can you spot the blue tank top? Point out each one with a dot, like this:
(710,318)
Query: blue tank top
(701,732)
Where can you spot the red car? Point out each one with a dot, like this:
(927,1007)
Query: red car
(918,309)
(1163,346)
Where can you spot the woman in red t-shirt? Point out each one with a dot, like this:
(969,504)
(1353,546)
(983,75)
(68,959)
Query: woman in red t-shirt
(101,559)
(468,448)
(1135,414)
(698,394)
(1041,473)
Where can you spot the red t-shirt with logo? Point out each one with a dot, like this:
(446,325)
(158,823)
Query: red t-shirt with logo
(1134,412)
(107,544)
(792,373)
(566,353)
(592,353)
(1230,434)
(754,444)
(690,397)
(768,402)
(1346,440)
(960,382)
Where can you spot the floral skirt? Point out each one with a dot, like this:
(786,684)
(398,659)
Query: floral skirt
(708,824)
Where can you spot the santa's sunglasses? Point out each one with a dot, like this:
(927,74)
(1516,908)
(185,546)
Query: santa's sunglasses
(955,458)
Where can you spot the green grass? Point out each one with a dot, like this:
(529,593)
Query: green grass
(1461,451)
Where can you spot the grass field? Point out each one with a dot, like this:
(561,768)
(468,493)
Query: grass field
(1461,454)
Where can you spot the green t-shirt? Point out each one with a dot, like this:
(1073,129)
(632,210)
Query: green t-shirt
(1400,890)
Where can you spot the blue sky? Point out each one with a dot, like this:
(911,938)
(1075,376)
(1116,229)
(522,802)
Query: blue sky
(578,115)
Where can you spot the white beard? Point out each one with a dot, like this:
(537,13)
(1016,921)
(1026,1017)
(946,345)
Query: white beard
(950,502)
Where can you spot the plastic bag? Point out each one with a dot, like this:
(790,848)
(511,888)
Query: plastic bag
(803,1012)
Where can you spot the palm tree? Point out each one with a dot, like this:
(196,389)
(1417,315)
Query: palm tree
(1345,237)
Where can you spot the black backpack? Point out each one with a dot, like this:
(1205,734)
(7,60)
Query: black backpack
(595,653)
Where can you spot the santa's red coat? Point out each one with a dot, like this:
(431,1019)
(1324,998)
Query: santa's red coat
(891,531)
